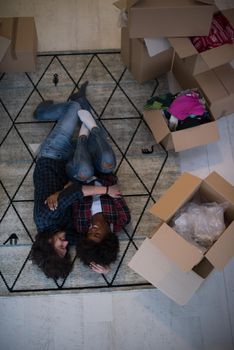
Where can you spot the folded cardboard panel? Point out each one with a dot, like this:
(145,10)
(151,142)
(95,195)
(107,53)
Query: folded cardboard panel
(21,55)
(149,18)
(180,251)
(224,244)
(218,87)
(175,197)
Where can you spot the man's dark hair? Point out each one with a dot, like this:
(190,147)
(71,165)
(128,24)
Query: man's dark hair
(44,255)
(103,253)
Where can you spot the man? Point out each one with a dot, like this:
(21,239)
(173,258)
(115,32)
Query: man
(98,219)
(59,178)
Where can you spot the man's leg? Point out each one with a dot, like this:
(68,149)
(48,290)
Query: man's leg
(58,143)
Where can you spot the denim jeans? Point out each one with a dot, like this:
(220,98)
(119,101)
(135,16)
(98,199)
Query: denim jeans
(88,154)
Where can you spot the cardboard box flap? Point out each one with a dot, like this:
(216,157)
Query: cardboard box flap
(220,185)
(183,47)
(183,189)
(223,249)
(189,138)
(155,267)
(157,124)
(176,248)
(4,44)
(225,73)
(223,54)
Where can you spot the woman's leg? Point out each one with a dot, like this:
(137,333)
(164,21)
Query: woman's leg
(58,143)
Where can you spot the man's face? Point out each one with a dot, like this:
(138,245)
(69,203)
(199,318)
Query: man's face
(97,232)
(60,243)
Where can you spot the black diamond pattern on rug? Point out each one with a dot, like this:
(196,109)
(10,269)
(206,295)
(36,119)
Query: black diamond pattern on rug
(117,101)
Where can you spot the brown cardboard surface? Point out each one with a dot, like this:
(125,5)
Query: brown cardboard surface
(223,249)
(176,248)
(149,18)
(125,47)
(176,196)
(218,87)
(196,136)
(135,56)
(157,124)
(143,67)
(21,55)
(156,268)
(220,185)
(4,44)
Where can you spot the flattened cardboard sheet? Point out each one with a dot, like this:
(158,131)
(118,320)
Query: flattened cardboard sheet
(155,267)
(176,248)
(176,196)
(223,249)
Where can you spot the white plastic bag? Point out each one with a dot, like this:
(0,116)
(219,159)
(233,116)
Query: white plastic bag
(200,224)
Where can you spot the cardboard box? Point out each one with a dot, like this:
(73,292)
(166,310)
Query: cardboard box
(196,62)
(182,139)
(167,260)
(149,18)
(21,55)
(135,56)
(217,85)
(4,44)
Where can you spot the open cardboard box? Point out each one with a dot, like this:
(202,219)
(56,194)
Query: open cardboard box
(217,85)
(135,56)
(196,62)
(149,18)
(167,260)
(182,139)
(21,53)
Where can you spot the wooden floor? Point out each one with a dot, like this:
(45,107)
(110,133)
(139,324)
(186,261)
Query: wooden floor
(131,320)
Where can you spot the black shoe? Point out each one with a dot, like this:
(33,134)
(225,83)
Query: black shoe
(80,93)
(45,103)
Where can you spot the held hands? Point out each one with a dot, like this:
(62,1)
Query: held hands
(98,268)
(114,191)
(52,201)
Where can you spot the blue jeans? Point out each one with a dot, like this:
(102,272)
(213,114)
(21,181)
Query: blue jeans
(89,154)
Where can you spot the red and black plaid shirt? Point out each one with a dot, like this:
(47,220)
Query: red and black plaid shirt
(115,210)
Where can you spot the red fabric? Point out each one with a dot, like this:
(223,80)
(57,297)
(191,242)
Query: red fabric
(221,32)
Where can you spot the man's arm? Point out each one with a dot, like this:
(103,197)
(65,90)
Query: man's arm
(75,191)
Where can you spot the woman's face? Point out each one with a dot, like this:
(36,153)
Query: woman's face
(60,243)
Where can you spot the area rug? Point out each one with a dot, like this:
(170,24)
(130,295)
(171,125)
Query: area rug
(117,100)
